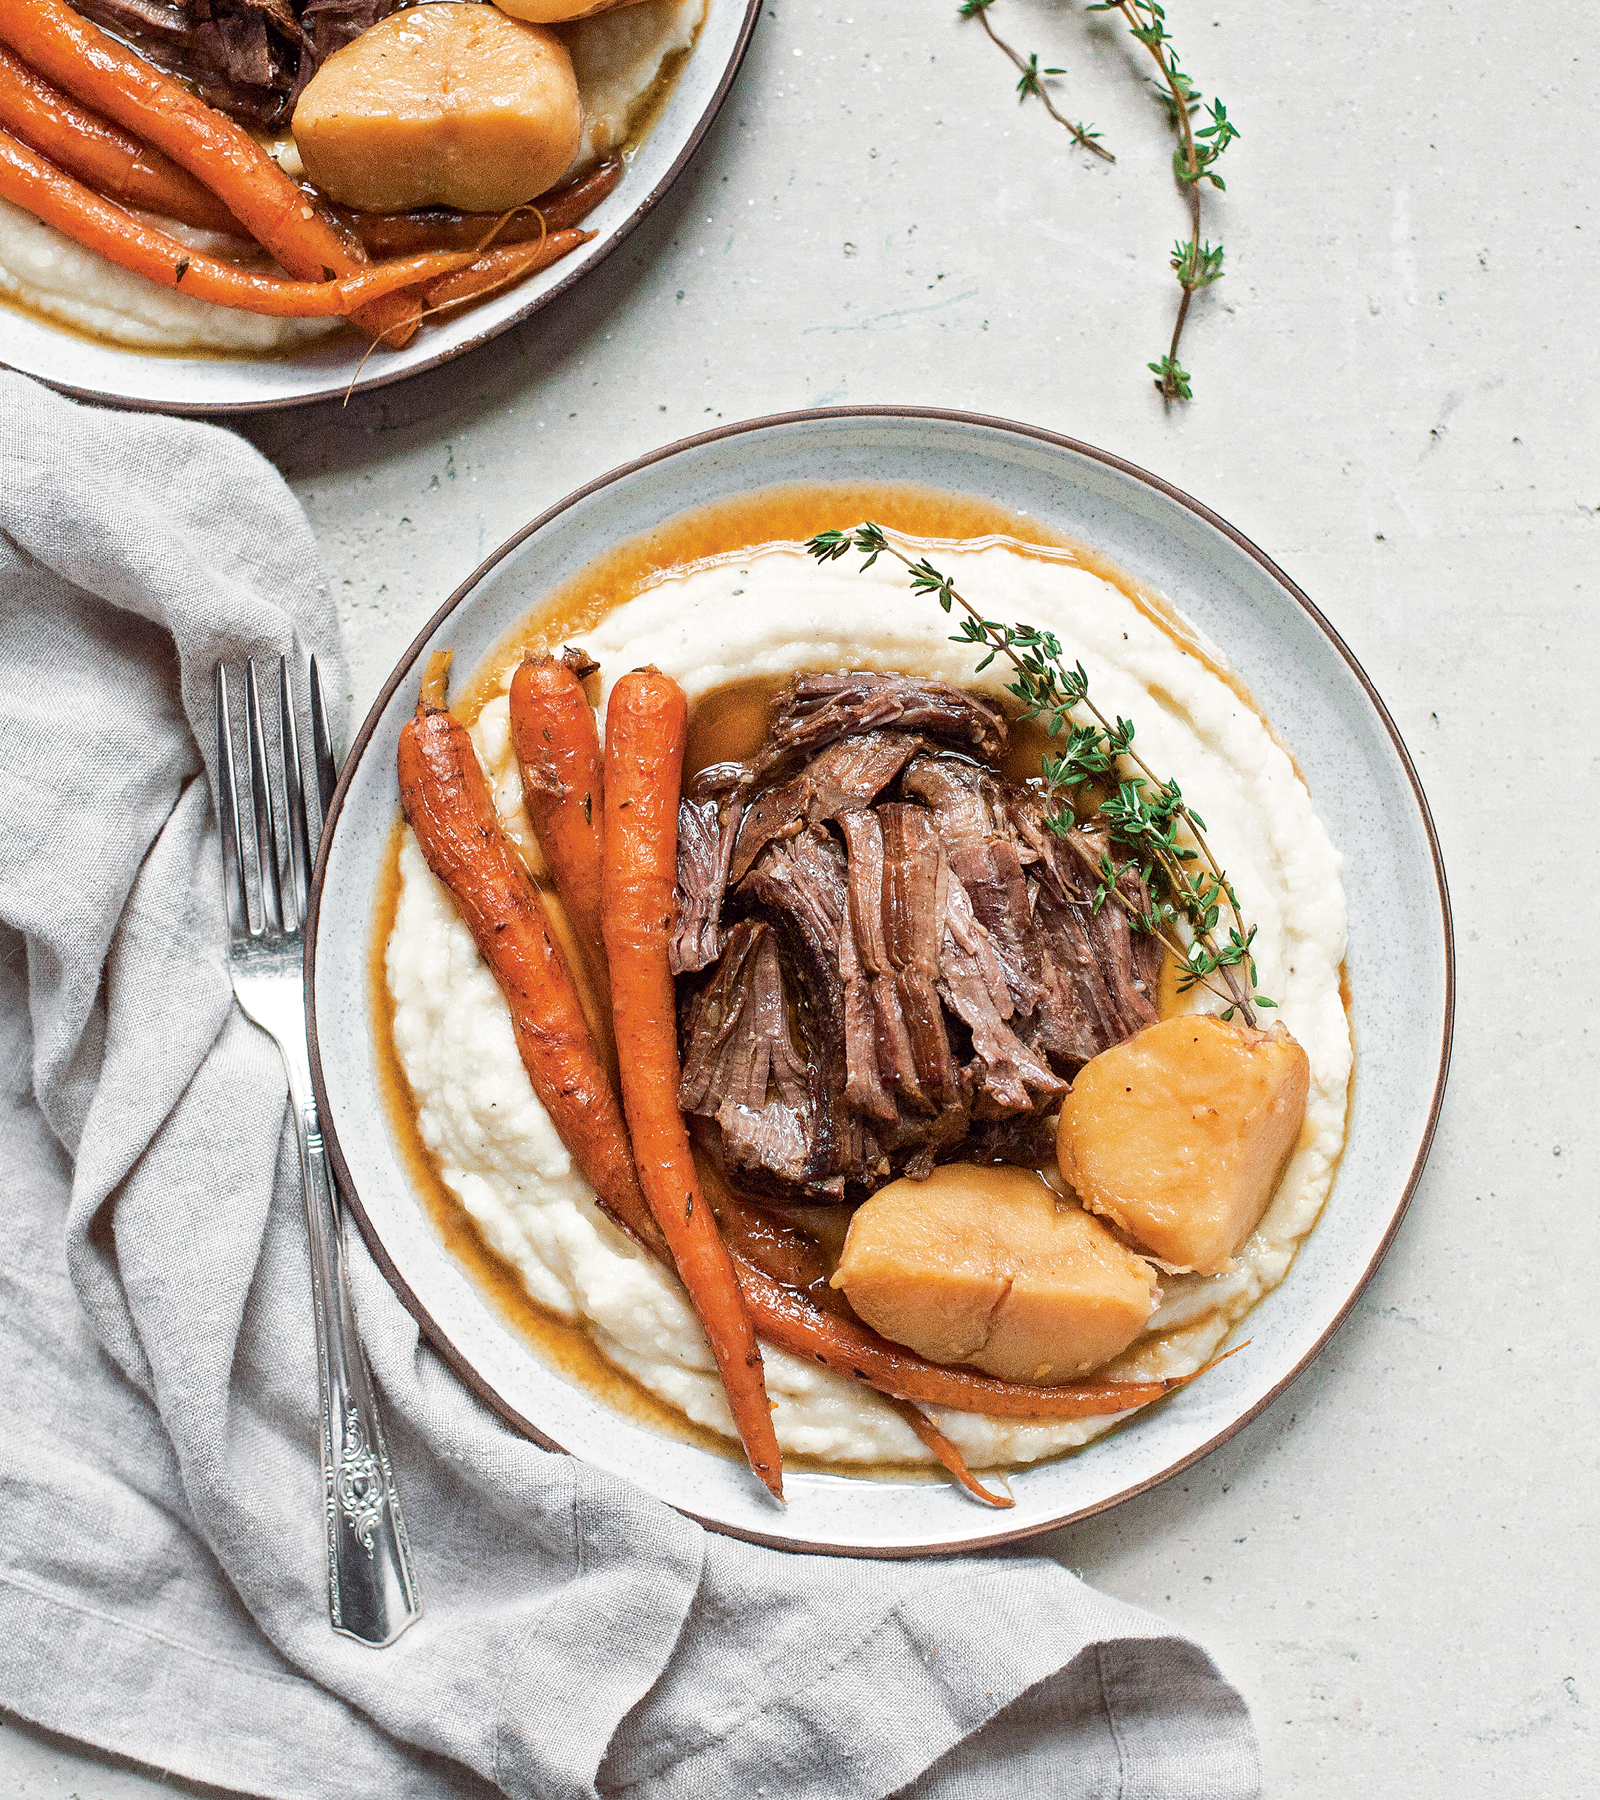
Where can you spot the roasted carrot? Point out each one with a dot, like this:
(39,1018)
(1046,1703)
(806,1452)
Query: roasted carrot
(789,1321)
(447,804)
(39,187)
(954,1463)
(442,228)
(81,59)
(100,154)
(563,787)
(567,205)
(496,269)
(647,725)
(85,62)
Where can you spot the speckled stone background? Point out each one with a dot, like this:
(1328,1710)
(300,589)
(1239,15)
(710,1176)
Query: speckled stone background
(1395,389)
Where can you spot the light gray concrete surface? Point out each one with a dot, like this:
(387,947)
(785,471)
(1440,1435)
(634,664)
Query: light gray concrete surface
(1395,389)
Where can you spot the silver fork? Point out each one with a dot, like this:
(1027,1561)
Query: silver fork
(372,1591)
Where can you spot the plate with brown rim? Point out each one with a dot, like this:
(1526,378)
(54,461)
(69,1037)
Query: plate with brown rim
(1301,674)
(93,369)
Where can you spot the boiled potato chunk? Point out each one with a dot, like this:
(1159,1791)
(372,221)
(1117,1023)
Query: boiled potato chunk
(1180,1134)
(985,1265)
(441,106)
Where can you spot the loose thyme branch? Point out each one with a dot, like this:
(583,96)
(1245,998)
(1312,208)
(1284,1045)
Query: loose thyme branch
(1031,82)
(1195,264)
(1049,690)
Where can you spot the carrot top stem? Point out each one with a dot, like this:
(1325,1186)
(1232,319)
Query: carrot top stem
(436,680)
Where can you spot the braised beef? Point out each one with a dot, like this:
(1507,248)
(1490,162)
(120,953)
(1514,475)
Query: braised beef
(740,1067)
(877,1047)
(915,876)
(903,963)
(708,823)
(800,887)
(1010,1077)
(250,58)
(1110,987)
(846,777)
(980,845)
(818,709)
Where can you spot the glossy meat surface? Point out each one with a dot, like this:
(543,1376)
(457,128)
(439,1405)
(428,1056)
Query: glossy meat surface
(921,949)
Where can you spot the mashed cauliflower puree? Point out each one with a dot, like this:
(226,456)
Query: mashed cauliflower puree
(617,58)
(772,611)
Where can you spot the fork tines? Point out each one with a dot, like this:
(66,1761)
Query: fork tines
(275,791)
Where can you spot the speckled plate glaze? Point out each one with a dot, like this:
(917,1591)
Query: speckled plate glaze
(1367,793)
(215,384)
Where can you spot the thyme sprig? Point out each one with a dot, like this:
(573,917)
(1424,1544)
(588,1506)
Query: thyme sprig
(1196,264)
(1148,815)
(1031,83)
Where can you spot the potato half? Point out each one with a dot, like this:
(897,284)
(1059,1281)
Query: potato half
(1180,1134)
(985,1265)
(441,106)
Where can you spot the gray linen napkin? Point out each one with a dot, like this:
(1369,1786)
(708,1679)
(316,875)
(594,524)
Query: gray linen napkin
(161,1578)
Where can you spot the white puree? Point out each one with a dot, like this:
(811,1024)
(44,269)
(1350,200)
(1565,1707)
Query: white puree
(774,611)
(616,56)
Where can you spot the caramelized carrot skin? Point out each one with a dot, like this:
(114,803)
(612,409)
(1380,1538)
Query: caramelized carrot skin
(647,726)
(439,228)
(563,787)
(497,269)
(38,187)
(786,1319)
(100,154)
(447,804)
(85,62)
(94,68)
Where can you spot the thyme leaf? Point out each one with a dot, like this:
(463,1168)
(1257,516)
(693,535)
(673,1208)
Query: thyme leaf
(1031,84)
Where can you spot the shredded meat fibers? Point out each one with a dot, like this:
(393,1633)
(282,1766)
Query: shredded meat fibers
(886,958)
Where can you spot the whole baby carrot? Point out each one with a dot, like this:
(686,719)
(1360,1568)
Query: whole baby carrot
(647,723)
(440,228)
(500,268)
(39,187)
(788,1321)
(447,804)
(563,787)
(100,154)
(84,61)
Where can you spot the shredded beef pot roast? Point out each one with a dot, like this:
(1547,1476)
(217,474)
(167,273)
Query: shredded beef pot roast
(886,959)
(250,58)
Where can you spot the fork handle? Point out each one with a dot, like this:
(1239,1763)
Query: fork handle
(372,1590)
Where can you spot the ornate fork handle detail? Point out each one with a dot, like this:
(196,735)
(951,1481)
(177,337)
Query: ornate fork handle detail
(359,1487)
(372,1592)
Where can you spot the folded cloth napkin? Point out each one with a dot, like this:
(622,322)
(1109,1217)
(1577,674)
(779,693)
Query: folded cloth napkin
(162,1585)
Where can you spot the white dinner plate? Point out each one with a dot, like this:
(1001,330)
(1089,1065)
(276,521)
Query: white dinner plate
(1366,792)
(92,370)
